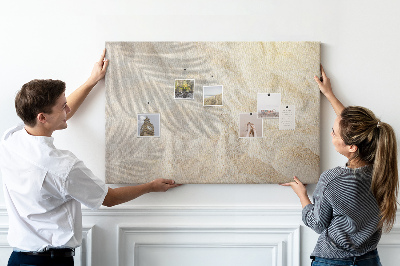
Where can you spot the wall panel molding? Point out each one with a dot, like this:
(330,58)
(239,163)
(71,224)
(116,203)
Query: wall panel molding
(271,234)
(389,247)
(5,249)
(192,210)
(196,210)
(3,236)
(271,254)
(84,254)
(282,243)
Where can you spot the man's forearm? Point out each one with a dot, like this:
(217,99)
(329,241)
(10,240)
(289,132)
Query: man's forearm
(124,194)
(76,98)
(121,195)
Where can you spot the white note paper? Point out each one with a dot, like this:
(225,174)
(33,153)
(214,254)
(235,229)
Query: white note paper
(287,117)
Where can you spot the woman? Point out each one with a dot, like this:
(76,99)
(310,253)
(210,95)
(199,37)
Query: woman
(355,203)
(251,130)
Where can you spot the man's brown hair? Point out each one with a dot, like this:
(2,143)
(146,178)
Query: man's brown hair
(37,96)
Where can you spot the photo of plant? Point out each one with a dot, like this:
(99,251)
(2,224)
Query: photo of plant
(184,88)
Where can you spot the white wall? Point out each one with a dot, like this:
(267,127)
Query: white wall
(63,39)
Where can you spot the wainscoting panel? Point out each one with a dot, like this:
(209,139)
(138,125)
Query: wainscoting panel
(83,254)
(255,255)
(204,245)
(389,247)
(5,249)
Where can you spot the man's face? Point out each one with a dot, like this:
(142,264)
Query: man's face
(58,118)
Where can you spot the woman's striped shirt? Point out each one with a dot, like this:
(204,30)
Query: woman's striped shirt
(345,213)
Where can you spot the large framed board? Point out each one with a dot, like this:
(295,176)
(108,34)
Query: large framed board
(212,112)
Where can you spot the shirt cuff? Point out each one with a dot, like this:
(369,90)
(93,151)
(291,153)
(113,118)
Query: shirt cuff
(305,211)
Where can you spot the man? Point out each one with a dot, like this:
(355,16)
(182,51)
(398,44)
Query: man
(44,187)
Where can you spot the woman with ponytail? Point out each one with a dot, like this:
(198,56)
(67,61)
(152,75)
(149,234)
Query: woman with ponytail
(353,204)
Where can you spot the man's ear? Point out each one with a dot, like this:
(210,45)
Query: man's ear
(41,118)
(353,148)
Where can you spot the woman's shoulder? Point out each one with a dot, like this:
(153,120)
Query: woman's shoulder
(333,173)
(337,176)
(346,172)
(329,179)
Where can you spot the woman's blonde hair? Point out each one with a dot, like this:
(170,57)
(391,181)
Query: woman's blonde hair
(376,143)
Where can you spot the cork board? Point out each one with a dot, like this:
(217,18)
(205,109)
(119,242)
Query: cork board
(198,142)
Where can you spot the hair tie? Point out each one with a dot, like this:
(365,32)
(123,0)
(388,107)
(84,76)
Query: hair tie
(378,125)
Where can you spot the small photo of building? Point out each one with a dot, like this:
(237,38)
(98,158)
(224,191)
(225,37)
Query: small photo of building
(148,125)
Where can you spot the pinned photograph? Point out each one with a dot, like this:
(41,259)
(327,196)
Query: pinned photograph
(148,125)
(268,105)
(212,95)
(250,126)
(184,89)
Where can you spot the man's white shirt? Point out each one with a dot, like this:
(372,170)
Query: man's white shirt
(44,188)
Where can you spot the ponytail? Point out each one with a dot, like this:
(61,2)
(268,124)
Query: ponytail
(385,183)
(376,143)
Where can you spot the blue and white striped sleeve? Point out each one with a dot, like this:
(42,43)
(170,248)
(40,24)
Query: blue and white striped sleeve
(318,216)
